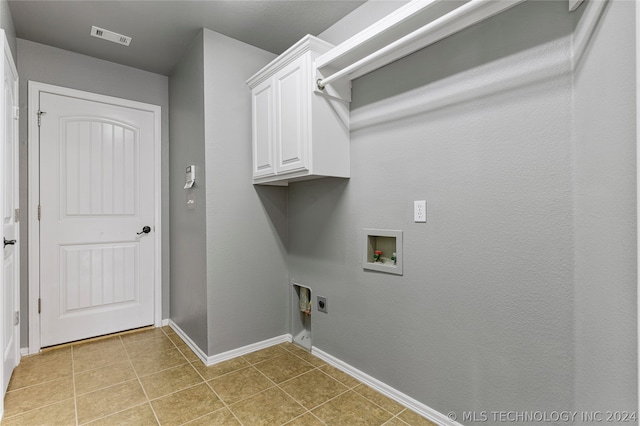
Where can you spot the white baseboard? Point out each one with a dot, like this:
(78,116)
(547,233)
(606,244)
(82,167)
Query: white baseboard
(188,341)
(164,322)
(214,359)
(224,356)
(383,388)
(24,351)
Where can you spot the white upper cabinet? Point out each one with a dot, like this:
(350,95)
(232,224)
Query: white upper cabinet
(298,134)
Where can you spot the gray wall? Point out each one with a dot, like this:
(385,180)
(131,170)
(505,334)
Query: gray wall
(6,23)
(605,214)
(188,226)
(246,225)
(46,64)
(228,264)
(483,317)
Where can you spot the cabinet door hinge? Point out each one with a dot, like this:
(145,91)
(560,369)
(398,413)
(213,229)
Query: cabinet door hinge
(39,305)
(16,113)
(16,318)
(39,212)
(40,114)
(16,217)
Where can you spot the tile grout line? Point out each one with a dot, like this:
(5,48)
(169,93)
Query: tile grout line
(342,393)
(114,413)
(206,384)
(361,395)
(140,383)
(315,367)
(35,409)
(73,382)
(292,350)
(306,410)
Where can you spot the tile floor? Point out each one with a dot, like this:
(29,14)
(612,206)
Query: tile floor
(151,377)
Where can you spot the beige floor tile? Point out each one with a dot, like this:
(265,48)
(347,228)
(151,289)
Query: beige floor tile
(153,361)
(186,405)
(61,355)
(168,330)
(36,396)
(344,378)
(271,407)
(142,335)
(101,403)
(107,344)
(170,380)
(152,344)
(414,419)
(220,369)
(240,384)
(41,368)
(351,409)
(264,354)
(313,388)
(140,415)
(395,422)
(88,360)
(283,367)
(174,337)
(59,414)
(221,417)
(108,390)
(307,419)
(378,398)
(186,351)
(92,380)
(305,355)
(50,354)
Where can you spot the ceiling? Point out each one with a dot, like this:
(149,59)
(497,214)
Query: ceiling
(163,29)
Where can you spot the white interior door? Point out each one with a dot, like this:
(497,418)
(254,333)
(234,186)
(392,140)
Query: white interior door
(10,226)
(96,195)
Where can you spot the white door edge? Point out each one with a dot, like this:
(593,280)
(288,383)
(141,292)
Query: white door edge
(638,182)
(8,56)
(35,88)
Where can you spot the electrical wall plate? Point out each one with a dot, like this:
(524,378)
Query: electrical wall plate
(322,304)
(420,211)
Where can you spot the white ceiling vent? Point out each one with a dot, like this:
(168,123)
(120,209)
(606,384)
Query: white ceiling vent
(110,36)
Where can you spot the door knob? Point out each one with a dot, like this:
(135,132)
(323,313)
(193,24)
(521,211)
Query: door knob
(145,230)
(9,242)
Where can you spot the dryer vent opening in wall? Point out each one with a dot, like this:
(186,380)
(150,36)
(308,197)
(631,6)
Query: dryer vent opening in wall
(110,36)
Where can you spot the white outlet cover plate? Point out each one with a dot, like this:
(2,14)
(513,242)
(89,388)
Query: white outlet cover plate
(420,211)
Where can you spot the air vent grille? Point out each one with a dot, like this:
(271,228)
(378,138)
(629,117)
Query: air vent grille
(110,36)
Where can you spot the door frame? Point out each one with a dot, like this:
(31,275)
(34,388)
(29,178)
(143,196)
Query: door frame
(8,56)
(35,88)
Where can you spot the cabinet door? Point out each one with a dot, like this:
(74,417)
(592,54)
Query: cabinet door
(292,127)
(263,137)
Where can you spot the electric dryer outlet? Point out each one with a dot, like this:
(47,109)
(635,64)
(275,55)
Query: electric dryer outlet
(322,304)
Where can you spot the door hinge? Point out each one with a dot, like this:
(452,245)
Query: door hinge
(16,318)
(39,305)
(40,114)
(16,113)
(17,215)
(39,212)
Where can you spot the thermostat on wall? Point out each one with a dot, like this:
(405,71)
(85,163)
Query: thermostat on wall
(190,178)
